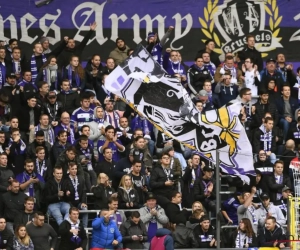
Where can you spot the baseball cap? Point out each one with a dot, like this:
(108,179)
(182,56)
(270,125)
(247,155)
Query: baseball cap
(11,75)
(203,93)
(207,169)
(285,188)
(271,59)
(150,196)
(264,196)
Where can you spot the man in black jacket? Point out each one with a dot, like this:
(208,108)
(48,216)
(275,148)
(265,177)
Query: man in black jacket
(288,155)
(277,181)
(38,142)
(261,107)
(71,230)
(71,48)
(74,188)
(6,239)
(25,217)
(134,232)
(6,175)
(251,52)
(205,234)
(271,235)
(162,180)
(173,211)
(204,190)
(69,98)
(209,48)
(12,203)
(55,197)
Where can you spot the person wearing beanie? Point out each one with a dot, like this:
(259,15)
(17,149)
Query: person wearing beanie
(119,54)
(155,47)
(45,44)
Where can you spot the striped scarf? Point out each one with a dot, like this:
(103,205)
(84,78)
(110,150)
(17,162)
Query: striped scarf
(2,74)
(33,67)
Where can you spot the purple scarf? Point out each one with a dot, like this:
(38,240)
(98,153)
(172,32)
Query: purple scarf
(77,78)
(152,227)
(107,117)
(118,217)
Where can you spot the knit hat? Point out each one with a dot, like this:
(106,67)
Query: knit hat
(151,34)
(167,149)
(44,39)
(119,38)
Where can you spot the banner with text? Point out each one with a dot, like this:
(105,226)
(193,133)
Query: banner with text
(275,23)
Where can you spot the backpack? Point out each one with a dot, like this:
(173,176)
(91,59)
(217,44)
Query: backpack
(158,243)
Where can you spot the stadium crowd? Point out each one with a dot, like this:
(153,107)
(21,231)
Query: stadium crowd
(63,135)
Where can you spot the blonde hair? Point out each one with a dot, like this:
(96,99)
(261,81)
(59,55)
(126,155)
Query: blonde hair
(122,182)
(26,240)
(99,177)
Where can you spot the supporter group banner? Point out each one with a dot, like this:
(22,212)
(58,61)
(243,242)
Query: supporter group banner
(275,23)
(141,82)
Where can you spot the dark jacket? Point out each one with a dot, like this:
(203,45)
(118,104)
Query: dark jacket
(184,237)
(174,214)
(204,239)
(258,144)
(24,118)
(23,218)
(265,77)
(255,55)
(67,241)
(280,107)
(5,174)
(70,101)
(31,149)
(107,168)
(67,185)
(94,82)
(254,242)
(101,196)
(124,197)
(294,134)
(53,111)
(7,237)
(162,240)
(11,204)
(261,110)
(56,150)
(276,188)
(157,182)
(199,191)
(286,157)
(196,77)
(265,167)
(50,192)
(63,162)
(128,229)
(267,238)
(64,57)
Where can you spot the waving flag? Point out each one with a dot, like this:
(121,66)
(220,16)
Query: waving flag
(142,83)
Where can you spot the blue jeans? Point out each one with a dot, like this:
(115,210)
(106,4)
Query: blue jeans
(59,211)
(85,216)
(284,125)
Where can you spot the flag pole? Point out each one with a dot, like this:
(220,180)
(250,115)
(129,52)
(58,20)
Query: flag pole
(218,190)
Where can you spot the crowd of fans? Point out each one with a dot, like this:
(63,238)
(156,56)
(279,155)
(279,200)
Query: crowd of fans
(63,135)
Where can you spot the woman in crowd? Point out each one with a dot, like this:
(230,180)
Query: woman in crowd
(127,195)
(22,240)
(75,74)
(102,192)
(49,73)
(244,236)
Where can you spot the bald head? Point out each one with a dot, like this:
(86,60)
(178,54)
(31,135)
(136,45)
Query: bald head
(290,144)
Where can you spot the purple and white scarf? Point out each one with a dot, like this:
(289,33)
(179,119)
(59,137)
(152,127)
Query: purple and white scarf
(33,69)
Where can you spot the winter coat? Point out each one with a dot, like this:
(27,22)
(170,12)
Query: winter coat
(5,174)
(104,234)
(127,197)
(162,241)
(101,196)
(184,237)
(70,101)
(67,241)
(267,238)
(119,55)
(6,241)
(146,216)
(276,188)
(17,245)
(128,229)
(63,162)
(254,242)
